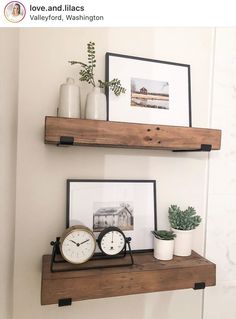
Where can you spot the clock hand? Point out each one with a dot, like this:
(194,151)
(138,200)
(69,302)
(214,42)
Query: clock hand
(73,241)
(85,241)
(112,237)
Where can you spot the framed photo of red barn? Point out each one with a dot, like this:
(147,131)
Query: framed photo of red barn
(157,92)
(127,204)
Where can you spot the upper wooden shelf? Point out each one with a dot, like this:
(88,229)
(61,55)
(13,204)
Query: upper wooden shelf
(146,275)
(60,130)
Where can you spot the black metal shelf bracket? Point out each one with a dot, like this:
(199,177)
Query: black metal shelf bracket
(199,285)
(66,141)
(64,302)
(203,148)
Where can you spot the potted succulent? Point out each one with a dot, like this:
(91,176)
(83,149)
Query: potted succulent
(95,107)
(183,223)
(163,244)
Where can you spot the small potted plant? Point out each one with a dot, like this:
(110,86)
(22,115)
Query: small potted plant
(163,244)
(183,223)
(95,107)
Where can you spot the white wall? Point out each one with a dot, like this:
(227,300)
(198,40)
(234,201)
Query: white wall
(221,226)
(8,124)
(42,169)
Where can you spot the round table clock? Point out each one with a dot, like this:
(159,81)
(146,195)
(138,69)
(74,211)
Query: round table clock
(111,241)
(77,244)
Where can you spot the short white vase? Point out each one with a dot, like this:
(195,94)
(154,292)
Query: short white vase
(163,249)
(69,99)
(183,242)
(95,107)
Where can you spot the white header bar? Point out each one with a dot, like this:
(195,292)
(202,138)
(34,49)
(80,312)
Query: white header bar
(104,13)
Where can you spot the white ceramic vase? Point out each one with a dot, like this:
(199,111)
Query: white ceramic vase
(96,106)
(183,242)
(69,99)
(163,249)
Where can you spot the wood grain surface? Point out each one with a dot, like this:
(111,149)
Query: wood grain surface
(146,275)
(129,135)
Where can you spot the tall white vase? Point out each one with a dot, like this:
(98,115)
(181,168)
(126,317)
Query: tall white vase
(183,242)
(69,99)
(96,106)
(163,249)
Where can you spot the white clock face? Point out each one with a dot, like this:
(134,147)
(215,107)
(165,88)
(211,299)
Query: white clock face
(112,242)
(78,246)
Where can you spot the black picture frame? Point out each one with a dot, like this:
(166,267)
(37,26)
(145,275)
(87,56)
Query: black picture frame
(156,74)
(88,200)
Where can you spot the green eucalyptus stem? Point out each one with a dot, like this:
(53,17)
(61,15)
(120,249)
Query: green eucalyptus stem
(114,85)
(91,59)
(87,72)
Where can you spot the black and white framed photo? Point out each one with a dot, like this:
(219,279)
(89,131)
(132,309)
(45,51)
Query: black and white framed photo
(157,92)
(127,204)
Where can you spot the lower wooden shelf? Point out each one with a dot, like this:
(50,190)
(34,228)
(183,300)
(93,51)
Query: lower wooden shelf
(146,275)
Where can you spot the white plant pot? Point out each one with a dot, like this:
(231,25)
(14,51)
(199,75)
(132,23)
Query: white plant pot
(69,99)
(183,242)
(96,106)
(163,249)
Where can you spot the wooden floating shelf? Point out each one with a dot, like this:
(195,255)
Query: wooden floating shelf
(146,275)
(129,135)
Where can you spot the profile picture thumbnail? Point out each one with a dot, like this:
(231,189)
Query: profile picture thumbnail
(14,11)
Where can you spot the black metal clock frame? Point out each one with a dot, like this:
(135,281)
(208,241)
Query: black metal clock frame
(56,258)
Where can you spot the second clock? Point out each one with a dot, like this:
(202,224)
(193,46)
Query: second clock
(111,241)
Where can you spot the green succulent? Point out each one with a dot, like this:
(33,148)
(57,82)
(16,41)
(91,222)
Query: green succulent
(183,220)
(87,72)
(164,234)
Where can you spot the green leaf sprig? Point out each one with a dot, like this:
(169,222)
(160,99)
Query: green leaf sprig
(87,72)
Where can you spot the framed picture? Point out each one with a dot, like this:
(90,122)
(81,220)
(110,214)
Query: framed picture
(157,92)
(127,204)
